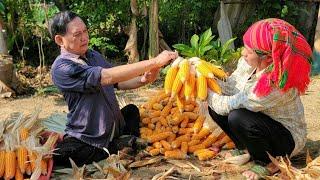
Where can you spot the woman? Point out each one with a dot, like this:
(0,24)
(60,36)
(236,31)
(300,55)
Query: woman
(260,108)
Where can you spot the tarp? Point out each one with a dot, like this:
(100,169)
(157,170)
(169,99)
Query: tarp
(224,26)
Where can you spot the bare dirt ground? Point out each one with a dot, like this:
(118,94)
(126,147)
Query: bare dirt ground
(55,103)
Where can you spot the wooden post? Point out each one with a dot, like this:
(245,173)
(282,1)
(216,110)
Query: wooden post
(153,29)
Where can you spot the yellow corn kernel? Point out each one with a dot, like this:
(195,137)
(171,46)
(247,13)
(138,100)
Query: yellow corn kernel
(180,104)
(157,106)
(210,140)
(192,116)
(2,162)
(176,87)
(193,142)
(214,86)
(204,69)
(157,145)
(166,110)
(166,145)
(184,70)
(201,87)
(154,152)
(175,154)
(193,148)
(189,108)
(22,157)
(198,124)
(169,79)
(18,174)
(44,167)
(158,137)
(163,121)
(203,133)
(217,71)
(205,155)
(24,134)
(189,86)
(184,122)
(10,165)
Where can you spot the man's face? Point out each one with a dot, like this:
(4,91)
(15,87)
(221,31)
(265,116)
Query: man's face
(76,39)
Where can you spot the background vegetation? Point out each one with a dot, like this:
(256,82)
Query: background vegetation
(25,22)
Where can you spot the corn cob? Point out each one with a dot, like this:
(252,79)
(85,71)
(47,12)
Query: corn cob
(204,69)
(201,87)
(217,71)
(209,140)
(157,106)
(166,145)
(176,87)
(2,162)
(10,164)
(184,68)
(203,133)
(205,155)
(229,145)
(184,122)
(154,152)
(175,154)
(194,142)
(213,85)
(189,86)
(198,124)
(192,116)
(180,104)
(158,137)
(169,79)
(157,145)
(24,133)
(184,147)
(18,174)
(166,110)
(22,158)
(193,148)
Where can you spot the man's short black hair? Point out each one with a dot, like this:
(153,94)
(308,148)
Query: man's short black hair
(58,24)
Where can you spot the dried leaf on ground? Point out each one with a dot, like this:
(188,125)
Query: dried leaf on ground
(145,162)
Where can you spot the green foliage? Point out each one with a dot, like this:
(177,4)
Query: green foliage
(205,47)
(102,42)
(222,54)
(1,7)
(197,48)
(104,19)
(47,90)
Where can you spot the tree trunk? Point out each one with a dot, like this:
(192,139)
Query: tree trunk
(153,30)
(6,69)
(131,48)
(3,42)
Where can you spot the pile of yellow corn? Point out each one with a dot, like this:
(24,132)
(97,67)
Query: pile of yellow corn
(174,131)
(190,78)
(20,152)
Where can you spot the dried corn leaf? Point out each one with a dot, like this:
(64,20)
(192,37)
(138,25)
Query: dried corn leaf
(78,173)
(163,175)
(308,157)
(180,163)
(145,162)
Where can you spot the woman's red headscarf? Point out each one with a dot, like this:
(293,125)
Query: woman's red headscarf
(289,50)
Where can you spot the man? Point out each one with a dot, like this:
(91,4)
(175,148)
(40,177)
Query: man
(87,82)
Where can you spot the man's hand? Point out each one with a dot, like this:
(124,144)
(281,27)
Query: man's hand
(165,57)
(150,76)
